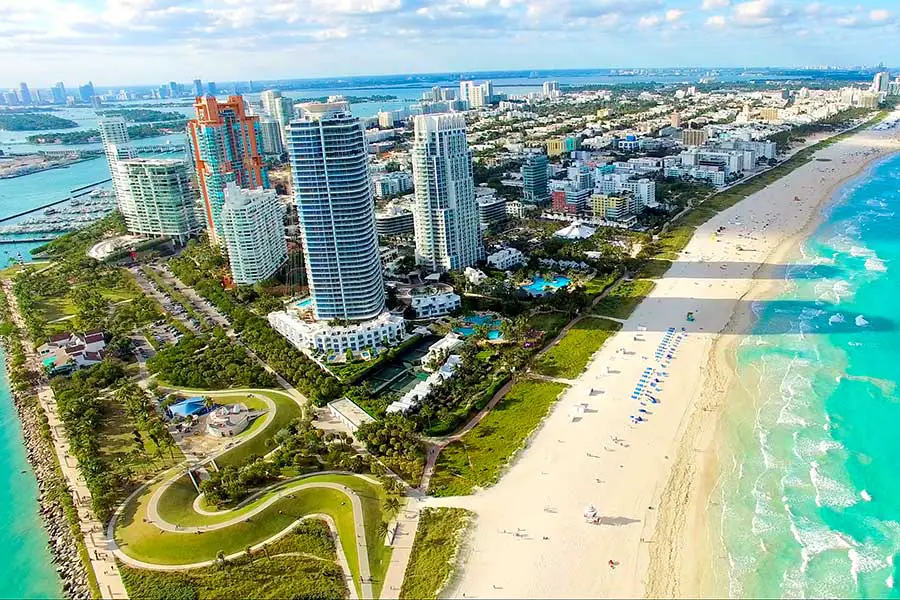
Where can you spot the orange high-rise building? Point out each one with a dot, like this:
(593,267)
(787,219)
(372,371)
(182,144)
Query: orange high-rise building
(225,146)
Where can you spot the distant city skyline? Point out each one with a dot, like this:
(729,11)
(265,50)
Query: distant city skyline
(137,42)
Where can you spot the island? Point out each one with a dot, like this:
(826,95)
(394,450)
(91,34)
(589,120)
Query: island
(143,115)
(92,136)
(33,121)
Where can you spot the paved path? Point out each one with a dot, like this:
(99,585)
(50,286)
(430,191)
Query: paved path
(99,546)
(159,522)
(405,536)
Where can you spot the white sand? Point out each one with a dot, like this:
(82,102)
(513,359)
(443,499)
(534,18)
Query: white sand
(530,538)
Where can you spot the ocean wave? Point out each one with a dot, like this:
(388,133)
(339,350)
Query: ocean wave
(815,539)
(875,265)
(835,319)
(863,559)
(861,321)
(860,252)
(830,492)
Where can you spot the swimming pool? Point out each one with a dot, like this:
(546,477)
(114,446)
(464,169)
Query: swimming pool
(474,320)
(305,303)
(541,286)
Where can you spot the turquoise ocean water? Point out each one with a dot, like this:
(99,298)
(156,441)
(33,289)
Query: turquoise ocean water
(808,503)
(25,569)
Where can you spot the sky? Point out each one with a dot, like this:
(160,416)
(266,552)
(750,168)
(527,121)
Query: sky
(130,42)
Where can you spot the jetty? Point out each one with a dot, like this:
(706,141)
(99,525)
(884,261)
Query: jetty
(75,194)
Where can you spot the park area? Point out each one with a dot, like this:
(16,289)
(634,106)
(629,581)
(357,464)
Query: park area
(624,298)
(568,357)
(478,459)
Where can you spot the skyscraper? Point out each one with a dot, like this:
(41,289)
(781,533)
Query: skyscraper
(277,106)
(160,198)
(59,93)
(211,88)
(253,221)
(174,89)
(86,92)
(24,94)
(445,211)
(550,89)
(879,83)
(198,88)
(270,136)
(535,178)
(117,146)
(225,145)
(346,310)
(327,149)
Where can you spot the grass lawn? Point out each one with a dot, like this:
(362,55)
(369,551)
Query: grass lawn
(549,323)
(595,286)
(274,578)
(434,552)
(622,301)
(117,444)
(146,542)
(9,272)
(479,457)
(118,294)
(571,354)
(55,308)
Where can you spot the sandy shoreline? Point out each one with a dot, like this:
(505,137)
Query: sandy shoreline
(530,538)
(696,551)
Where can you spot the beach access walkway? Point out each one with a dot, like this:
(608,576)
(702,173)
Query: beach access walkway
(99,546)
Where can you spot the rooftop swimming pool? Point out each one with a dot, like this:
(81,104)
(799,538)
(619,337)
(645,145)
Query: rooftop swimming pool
(541,286)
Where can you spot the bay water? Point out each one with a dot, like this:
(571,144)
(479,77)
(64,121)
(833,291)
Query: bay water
(808,499)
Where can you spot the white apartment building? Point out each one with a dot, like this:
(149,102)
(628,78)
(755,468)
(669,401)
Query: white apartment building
(611,184)
(324,337)
(506,259)
(491,209)
(394,219)
(277,106)
(270,134)
(478,95)
(731,161)
(428,304)
(336,212)
(253,228)
(714,175)
(157,198)
(446,214)
(117,147)
(391,184)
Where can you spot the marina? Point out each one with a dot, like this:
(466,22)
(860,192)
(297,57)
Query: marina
(79,213)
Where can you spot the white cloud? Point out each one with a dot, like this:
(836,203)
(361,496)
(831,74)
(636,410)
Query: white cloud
(760,13)
(648,21)
(716,21)
(879,15)
(674,15)
(714,4)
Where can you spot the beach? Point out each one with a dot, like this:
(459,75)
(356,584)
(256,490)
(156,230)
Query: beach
(649,481)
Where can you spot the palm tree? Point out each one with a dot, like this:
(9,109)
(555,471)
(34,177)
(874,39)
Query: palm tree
(249,554)
(391,504)
(220,558)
